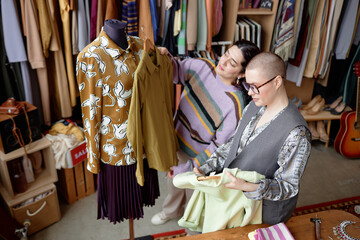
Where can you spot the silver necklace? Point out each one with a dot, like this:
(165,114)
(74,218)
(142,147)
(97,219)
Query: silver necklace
(340,231)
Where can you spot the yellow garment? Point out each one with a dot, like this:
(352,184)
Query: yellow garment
(65,18)
(67,130)
(214,207)
(36,55)
(58,83)
(151,123)
(177,21)
(105,78)
(45,26)
(313,56)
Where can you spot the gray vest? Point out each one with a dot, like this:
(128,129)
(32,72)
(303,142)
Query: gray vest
(261,155)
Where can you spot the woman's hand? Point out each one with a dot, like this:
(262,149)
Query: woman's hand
(171,173)
(163,50)
(198,172)
(240,184)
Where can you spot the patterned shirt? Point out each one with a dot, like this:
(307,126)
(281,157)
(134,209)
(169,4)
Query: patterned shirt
(291,160)
(105,75)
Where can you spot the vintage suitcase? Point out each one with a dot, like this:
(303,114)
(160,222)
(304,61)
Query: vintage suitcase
(8,140)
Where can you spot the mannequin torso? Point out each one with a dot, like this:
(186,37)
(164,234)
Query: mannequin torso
(115,29)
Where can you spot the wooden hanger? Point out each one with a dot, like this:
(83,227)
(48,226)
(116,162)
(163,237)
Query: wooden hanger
(204,178)
(148,45)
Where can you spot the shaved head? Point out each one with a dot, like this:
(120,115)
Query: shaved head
(269,64)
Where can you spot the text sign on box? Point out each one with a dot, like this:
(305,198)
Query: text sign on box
(78,153)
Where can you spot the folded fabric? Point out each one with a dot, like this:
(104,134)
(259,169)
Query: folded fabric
(213,207)
(60,144)
(275,232)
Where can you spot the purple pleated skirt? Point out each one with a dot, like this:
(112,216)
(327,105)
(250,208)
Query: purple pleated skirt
(120,197)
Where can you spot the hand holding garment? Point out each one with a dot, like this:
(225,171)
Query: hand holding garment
(232,209)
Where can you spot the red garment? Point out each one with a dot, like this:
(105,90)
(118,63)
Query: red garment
(93,19)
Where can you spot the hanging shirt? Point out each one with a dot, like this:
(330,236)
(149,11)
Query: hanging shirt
(202,26)
(191,24)
(57,71)
(65,9)
(130,17)
(214,207)
(83,24)
(14,46)
(150,123)
(105,77)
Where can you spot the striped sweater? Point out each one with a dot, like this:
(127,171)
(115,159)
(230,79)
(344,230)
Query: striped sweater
(209,110)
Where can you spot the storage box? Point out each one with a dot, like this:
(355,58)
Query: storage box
(76,183)
(8,141)
(41,212)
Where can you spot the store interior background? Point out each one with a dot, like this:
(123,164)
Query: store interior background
(328,176)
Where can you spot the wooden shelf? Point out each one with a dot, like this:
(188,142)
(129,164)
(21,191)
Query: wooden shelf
(47,176)
(266,18)
(30,148)
(323,115)
(254,11)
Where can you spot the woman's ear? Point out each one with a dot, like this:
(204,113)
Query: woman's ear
(241,75)
(279,81)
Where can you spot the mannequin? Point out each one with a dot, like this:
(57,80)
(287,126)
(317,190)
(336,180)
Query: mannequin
(104,74)
(115,29)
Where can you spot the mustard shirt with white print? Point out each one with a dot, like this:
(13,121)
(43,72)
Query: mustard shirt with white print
(105,75)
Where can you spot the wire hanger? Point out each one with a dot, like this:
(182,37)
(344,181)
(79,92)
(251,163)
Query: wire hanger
(148,45)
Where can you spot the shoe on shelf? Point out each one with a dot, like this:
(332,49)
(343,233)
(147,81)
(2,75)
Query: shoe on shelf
(314,134)
(159,218)
(312,102)
(320,127)
(339,109)
(334,104)
(316,108)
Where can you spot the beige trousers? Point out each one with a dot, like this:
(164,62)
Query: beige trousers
(176,200)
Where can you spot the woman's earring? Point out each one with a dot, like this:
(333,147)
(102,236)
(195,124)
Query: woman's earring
(237,81)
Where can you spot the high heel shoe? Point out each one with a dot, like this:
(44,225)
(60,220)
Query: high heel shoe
(339,109)
(316,108)
(312,102)
(320,127)
(314,134)
(334,104)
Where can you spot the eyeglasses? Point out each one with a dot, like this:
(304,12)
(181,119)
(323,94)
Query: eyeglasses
(254,88)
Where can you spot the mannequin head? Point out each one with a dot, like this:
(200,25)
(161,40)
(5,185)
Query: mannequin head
(115,29)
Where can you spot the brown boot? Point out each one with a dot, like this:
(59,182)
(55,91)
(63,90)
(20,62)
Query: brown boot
(315,135)
(320,127)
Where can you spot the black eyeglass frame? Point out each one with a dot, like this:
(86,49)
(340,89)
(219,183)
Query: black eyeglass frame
(254,87)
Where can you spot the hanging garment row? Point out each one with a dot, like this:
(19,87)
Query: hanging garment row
(49,34)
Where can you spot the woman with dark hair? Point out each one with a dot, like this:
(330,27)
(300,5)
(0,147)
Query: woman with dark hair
(210,107)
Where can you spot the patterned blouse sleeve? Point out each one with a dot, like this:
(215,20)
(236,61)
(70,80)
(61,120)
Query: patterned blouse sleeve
(91,102)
